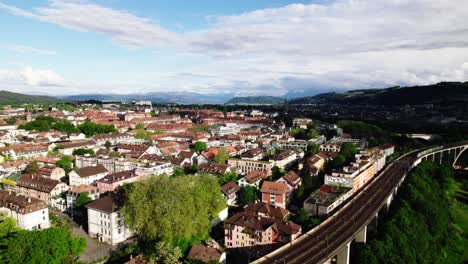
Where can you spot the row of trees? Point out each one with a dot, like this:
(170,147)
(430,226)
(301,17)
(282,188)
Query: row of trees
(420,228)
(47,123)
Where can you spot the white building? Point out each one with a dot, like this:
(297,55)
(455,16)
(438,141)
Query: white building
(87,175)
(105,222)
(29,213)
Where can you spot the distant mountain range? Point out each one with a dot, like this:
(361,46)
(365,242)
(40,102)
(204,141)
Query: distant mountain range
(157,97)
(256,100)
(7,97)
(445,92)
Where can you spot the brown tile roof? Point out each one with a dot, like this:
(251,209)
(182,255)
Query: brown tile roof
(38,183)
(274,187)
(256,175)
(292,178)
(204,253)
(20,203)
(230,188)
(92,170)
(267,209)
(214,168)
(83,188)
(118,176)
(106,204)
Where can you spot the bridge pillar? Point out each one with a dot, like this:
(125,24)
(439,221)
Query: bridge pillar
(343,255)
(362,236)
(389,201)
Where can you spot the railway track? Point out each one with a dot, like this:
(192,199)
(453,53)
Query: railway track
(324,242)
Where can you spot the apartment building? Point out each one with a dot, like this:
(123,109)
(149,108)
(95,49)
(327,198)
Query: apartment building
(105,222)
(246,166)
(29,213)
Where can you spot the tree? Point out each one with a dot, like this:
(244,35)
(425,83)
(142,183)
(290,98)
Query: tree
(31,168)
(184,207)
(222,156)
(165,253)
(65,163)
(313,148)
(338,161)
(178,172)
(199,146)
(192,169)
(348,150)
(90,129)
(8,226)
(140,126)
(305,220)
(312,133)
(53,245)
(247,195)
(10,120)
(277,172)
(108,144)
(82,199)
(227,177)
(82,151)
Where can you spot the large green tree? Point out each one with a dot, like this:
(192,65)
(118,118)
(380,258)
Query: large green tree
(168,209)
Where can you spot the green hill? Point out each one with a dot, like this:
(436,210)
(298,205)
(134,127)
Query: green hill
(440,93)
(256,100)
(7,97)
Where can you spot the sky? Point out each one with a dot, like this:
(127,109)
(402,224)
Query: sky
(241,47)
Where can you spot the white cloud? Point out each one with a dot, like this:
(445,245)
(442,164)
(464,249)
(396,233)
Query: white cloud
(345,44)
(32,77)
(30,50)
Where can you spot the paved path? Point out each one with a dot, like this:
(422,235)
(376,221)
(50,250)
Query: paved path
(95,250)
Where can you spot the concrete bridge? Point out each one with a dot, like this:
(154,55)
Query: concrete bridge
(331,240)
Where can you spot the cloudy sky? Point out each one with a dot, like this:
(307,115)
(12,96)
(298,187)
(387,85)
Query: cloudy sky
(241,47)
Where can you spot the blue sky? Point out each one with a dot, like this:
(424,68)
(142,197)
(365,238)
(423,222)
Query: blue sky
(237,47)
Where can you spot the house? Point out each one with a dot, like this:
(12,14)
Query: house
(68,147)
(292,180)
(52,172)
(10,167)
(230,190)
(316,163)
(189,156)
(253,178)
(112,181)
(114,139)
(105,222)
(253,154)
(29,213)
(246,166)
(275,193)
(215,168)
(26,151)
(87,175)
(41,188)
(74,192)
(206,254)
(267,210)
(327,199)
(286,158)
(247,229)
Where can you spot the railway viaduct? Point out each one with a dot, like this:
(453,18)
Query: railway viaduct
(331,240)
